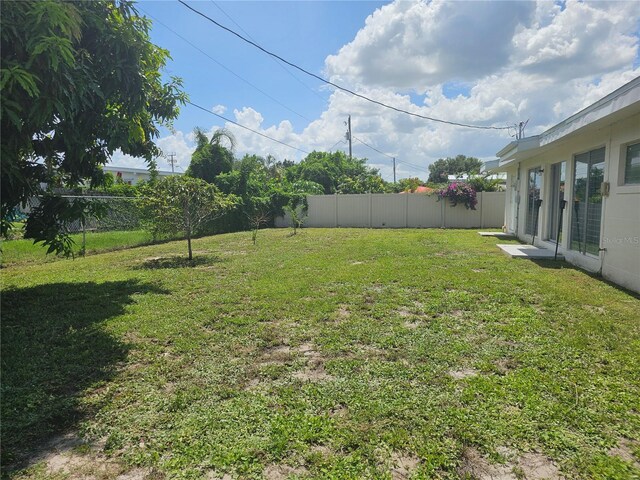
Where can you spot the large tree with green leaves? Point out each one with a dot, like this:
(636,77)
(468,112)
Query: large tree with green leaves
(211,157)
(458,165)
(337,173)
(78,81)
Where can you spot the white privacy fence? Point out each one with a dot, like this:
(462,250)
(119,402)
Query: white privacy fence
(406,210)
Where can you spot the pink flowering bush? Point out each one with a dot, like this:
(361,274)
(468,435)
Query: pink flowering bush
(459,192)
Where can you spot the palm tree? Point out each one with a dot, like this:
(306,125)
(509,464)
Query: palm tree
(211,157)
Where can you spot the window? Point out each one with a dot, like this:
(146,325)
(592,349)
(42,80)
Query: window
(632,165)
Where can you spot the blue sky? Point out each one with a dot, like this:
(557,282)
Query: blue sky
(302,32)
(480,63)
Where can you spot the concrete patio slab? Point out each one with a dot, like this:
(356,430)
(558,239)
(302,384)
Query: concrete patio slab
(505,236)
(528,251)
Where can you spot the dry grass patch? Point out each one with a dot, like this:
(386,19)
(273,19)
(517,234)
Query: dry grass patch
(624,451)
(68,457)
(403,465)
(528,466)
(314,372)
(282,472)
(462,373)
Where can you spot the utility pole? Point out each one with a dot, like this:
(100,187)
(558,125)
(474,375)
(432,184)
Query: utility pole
(348,135)
(520,134)
(394,169)
(172,161)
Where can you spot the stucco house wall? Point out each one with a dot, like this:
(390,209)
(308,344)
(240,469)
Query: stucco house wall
(614,129)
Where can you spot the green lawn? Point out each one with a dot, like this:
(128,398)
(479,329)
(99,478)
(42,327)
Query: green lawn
(336,353)
(23,251)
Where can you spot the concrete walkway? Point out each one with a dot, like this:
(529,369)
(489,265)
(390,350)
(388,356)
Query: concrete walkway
(504,236)
(528,251)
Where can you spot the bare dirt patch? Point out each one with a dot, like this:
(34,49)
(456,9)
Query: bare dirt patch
(403,465)
(281,472)
(528,466)
(314,372)
(252,384)
(306,348)
(321,450)
(278,355)
(462,373)
(505,365)
(479,468)
(215,476)
(624,451)
(279,351)
(404,312)
(339,411)
(594,309)
(535,466)
(69,456)
(411,325)
(342,312)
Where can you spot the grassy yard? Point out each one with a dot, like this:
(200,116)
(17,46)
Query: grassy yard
(382,354)
(22,251)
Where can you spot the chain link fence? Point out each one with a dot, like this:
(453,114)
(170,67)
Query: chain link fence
(116,213)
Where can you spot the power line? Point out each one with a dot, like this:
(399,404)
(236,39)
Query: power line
(334,146)
(274,60)
(390,156)
(224,67)
(413,165)
(372,148)
(339,87)
(245,127)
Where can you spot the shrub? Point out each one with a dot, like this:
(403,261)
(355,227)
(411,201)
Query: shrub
(459,192)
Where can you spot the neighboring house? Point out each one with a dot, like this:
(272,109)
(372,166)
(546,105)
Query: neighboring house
(488,171)
(591,160)
(132,176)
(485,174)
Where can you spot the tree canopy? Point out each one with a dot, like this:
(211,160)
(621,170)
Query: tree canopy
(211,157)
(337,173)
(78,81)
(182,204)
(461,164)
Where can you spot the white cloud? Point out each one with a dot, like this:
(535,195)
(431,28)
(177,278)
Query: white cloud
(579,41)
(219,109)
(179,143)
(538,61)
(414,45)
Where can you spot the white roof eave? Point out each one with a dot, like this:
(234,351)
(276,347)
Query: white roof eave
(516,151)
(623,101)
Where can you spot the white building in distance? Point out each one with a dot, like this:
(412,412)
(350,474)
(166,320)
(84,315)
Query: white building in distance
(132,176)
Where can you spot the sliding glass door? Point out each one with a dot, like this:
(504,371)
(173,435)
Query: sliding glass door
(587,201)
(556,199)
(534,182)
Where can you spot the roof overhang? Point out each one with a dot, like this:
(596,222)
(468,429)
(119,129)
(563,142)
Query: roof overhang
(618,105)
(516,151)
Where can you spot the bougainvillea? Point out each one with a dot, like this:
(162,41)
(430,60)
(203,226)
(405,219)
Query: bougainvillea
(459,192)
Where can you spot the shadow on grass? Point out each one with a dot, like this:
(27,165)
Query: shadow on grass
(564,265)
(178,262)
(53,349)
(549,263)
